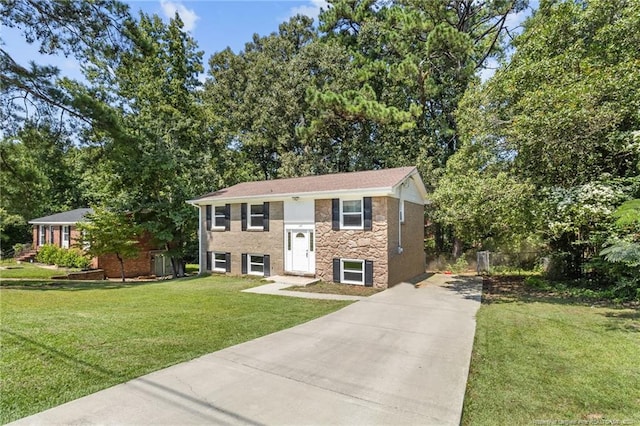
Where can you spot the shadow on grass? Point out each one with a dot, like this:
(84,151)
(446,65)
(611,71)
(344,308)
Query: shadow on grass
(169,395)
(46,284)
(512,289)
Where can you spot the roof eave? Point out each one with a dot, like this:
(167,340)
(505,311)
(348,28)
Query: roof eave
(384,191)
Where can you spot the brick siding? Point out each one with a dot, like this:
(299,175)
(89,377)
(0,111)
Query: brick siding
(236,241)
(411,262)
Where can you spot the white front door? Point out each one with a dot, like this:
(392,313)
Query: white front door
(300,251)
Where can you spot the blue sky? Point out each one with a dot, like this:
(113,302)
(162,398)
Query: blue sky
(215,24)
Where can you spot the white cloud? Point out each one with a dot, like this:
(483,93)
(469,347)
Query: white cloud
(312,9)
(188,16)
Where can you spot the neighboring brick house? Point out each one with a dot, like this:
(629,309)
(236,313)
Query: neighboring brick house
(61,230)
(362,228)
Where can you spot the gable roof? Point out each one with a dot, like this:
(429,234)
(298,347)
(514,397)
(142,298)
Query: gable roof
(65,218)
(382,181)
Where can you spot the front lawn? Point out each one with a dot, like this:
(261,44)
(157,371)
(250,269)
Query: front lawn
(333,288)
(65,340)
(542,358)
(11,269)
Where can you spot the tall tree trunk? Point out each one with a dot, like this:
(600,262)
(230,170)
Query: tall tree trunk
(177,267)
(121,260)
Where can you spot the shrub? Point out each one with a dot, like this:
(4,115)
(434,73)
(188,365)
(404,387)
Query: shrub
(66,258)
(47,254)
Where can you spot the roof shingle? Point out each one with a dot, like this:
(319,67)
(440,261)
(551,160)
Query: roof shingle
(371,179)
(69,217)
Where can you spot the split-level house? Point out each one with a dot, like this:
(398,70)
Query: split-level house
(363,228)
(61,229)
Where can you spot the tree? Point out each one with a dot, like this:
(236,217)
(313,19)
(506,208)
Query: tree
(413,61)
(259,99)
(39,175)
(156,144)
(83,29)
(108,232)
(561,116)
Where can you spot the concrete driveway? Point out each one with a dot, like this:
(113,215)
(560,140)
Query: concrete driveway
(399,357)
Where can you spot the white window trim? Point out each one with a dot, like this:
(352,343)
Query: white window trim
(342,225)
(213,261)
(249,217)
(42,235)
(249,263)
(66,232)
(345,281)
(213,218)
(51,234)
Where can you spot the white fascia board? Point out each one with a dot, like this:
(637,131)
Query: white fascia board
(318,195)
(415,177)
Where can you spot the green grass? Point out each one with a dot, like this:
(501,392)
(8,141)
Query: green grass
(333,288)
(542,358)
(10,269)
(63,341)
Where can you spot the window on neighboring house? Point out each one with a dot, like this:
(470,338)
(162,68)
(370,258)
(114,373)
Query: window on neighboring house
(42,235)
(352,271)
(220,217)
(256,216)
(51,240)
(351,214)
(66,231)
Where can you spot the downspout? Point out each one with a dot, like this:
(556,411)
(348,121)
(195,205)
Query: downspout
(200,239)
(400,249)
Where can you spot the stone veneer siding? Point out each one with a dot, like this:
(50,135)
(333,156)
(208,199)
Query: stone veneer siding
(236,241)
(352,244)
(412,260)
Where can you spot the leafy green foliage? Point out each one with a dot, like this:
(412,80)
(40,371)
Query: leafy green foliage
(66,258)
(108,232)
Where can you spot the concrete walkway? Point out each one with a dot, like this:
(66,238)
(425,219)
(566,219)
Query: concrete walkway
(280,282)
(398,357)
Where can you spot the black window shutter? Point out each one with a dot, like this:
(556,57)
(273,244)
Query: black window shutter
(367,213)
(265,216)
(266,261)
(244,263)
(208,218)
(335,214)
(336,270)
(227,261)
(208,261)
(368,273)
(61,235)
(243,216)
(227,217)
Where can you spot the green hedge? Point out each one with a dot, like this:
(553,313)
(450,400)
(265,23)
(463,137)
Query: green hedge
(67,258)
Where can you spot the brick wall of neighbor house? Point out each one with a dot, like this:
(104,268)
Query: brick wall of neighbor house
(236,241)
(352,244)
(412,260)
(139,266)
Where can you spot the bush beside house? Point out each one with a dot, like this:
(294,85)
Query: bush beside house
(66,258)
